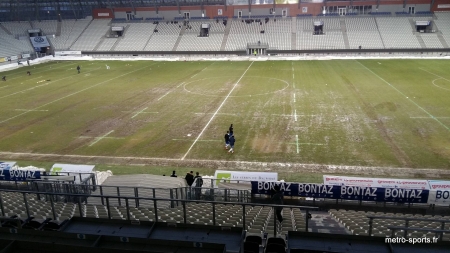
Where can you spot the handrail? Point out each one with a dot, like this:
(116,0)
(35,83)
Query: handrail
(440,231)
(155,200)
(406,219)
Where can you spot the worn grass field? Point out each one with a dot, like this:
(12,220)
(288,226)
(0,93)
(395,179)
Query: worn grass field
(389,113)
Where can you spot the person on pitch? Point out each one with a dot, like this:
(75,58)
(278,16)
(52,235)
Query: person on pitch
(232,140)
(227,139)
(78,68)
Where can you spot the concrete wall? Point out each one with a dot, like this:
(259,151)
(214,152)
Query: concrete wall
(399,7)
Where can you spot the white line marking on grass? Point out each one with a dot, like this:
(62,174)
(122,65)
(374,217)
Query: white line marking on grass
(308,143)
(294,97)
(26,110)
(223,113)
(295,114)
(296,137)
(201,70)
(4,86)
(223,102)
(139,112)
(90,137)
(170,91)
(291,115)
(102,137)
(37,86)
(434,74)
(438,85)
(292,75)
(33,78)
(39,71)
(429,117)
(191,140)
(412,101)
(106,81)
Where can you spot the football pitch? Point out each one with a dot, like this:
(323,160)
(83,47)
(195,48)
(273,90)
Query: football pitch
(383,113)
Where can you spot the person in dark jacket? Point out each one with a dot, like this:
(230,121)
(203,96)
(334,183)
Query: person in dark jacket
(278,200)
(174,174)
(189,178)
(231,129)
(198,185)
(232,140)
(78,68)
(227,139)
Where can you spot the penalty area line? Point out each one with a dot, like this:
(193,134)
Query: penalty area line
(218,109)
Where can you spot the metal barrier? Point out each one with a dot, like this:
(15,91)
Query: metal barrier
(155,201)
(406,227)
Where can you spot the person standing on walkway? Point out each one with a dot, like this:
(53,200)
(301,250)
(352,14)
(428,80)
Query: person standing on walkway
(174,174)
(232,140)
(278,200)
(189,178)
(198,185)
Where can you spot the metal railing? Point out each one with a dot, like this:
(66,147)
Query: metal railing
(406,228)
(155,206)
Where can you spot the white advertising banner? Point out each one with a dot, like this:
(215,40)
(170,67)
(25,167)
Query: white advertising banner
(103,14)
(234,176)
(67,52)
(443,6)
(73,170)
(439,192)
(376,182)
(39,41)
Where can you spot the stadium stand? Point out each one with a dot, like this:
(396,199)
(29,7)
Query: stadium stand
(135,37)
(442,21)
(396,32)
(17,28)
(91,35)
(70,31)
(48,27)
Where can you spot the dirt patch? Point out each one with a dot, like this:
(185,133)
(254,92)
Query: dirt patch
(370,112)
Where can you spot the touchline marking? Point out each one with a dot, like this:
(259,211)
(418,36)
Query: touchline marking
(37,86)
(41,71)
(296,137)
(294,97)
(139,112)
(295,114)
(73,94)
(412,101)
(102,137)
(212,117)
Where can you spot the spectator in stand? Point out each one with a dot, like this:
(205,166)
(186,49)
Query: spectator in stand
(198,185)
(174,174)
(189,178)
(278,200)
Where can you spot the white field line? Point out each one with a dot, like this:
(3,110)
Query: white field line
(190,140)
(412,101)
(106,81)
(433,82)
(99,138)
(33,78)
(26,110)
(201,70)
(429,117)
(214,115)
(203,113)
(41,71)
(170,91)
(294,97)
(293,85)
(139,112)
(298,115)
(90,137)
(292,75)
(4,86)
(434,74)
(296,138)
(40,85)
(295,114)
